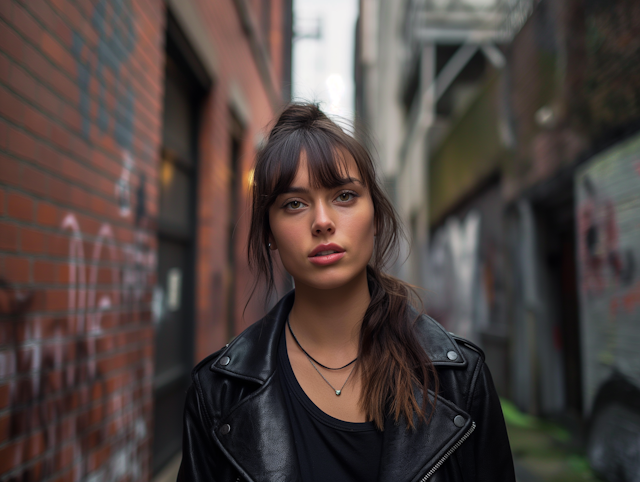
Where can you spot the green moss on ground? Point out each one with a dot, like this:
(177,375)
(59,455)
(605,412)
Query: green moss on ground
(542,448)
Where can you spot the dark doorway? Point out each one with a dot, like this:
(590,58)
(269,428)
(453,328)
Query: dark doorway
(176,245)
(555,216)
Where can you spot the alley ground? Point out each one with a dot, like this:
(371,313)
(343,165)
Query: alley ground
(544,451)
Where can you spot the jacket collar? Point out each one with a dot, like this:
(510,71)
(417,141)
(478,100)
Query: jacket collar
(267,455)
(253,354)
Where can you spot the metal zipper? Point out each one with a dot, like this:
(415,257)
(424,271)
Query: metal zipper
(449,452)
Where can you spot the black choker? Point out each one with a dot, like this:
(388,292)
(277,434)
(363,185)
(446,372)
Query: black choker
(313,359)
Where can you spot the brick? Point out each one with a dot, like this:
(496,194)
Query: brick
(44,271)
(36,63)
(4,134)
(48,100)
(36,122)
(23,83)
(64,86)
(5,10)
(8,455)
(59,190)
(100,207)
(34,471)
(59,246)
(8,237)
(11,43)
(49,158)
(56,52)
(11,106)
(26,24)
(22,144)
(9,170)
(41,10)
(4,428)
(17,269)
(19,206)
(79,197)
(35,181)
(56,300)
(32,241)
(5,68)
(60,137)
(71,117)
(64,33)
(47,214)
(80,148)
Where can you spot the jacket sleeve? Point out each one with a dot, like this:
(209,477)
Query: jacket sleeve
(489,448)
(198,463)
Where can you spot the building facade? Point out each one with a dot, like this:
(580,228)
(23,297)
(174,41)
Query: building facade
(127,135)
(526,170)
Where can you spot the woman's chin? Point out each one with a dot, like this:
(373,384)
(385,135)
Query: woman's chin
(329,280)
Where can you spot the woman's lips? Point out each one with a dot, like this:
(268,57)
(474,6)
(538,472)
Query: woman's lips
(327,259)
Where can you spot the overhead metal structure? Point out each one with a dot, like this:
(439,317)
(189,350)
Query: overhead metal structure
(475,25)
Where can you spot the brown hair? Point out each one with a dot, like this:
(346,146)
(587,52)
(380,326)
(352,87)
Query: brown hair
(390,357)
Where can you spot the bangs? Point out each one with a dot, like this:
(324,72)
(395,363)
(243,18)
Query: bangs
(327,162)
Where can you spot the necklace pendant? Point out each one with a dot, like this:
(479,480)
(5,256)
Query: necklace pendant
(338,392)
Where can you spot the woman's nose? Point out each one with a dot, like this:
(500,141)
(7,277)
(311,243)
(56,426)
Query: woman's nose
(322,222)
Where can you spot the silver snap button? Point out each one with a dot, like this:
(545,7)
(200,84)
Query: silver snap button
(225,429)
(458,421)
(452,355)
(224,361)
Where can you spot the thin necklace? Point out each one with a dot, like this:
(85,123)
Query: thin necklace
(316,361)
(338,392)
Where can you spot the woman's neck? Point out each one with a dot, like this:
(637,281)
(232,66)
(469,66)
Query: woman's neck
(328,321)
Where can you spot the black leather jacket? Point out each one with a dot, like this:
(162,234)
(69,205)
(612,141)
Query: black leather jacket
(236,426)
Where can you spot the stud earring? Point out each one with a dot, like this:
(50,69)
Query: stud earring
(269,245)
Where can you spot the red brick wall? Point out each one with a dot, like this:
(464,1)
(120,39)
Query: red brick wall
(237,70)
(80,133)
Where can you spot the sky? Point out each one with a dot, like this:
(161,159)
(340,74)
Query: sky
(323,54)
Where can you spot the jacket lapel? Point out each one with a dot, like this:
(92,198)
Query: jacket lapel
(260,441)
(261,438)
(408,455)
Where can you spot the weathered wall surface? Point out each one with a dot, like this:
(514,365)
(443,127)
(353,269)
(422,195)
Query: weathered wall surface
(81,98)
(608,238)
(81,91)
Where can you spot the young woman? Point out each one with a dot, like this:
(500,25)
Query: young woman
(343,380)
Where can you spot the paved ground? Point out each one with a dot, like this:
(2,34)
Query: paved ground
(544,452)
(170,472)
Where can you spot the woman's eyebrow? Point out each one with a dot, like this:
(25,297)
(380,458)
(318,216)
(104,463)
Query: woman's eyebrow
(295,190)
(348,180)
(304,190)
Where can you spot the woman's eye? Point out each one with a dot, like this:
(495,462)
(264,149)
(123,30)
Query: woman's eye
(294,205)
(345,196)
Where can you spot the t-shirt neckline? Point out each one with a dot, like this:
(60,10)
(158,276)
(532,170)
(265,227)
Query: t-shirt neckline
(293,384)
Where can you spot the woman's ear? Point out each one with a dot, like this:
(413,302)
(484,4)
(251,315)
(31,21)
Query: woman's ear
(272,243)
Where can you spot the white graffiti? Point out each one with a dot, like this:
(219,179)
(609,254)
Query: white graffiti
(453,273)
(123,185)
(87,307)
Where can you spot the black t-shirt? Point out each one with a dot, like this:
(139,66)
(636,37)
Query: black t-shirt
(328,449)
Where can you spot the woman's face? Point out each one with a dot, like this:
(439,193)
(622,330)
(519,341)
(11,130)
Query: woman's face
(324,236)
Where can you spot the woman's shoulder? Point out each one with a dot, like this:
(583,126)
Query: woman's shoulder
(445,349)
(251,354)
